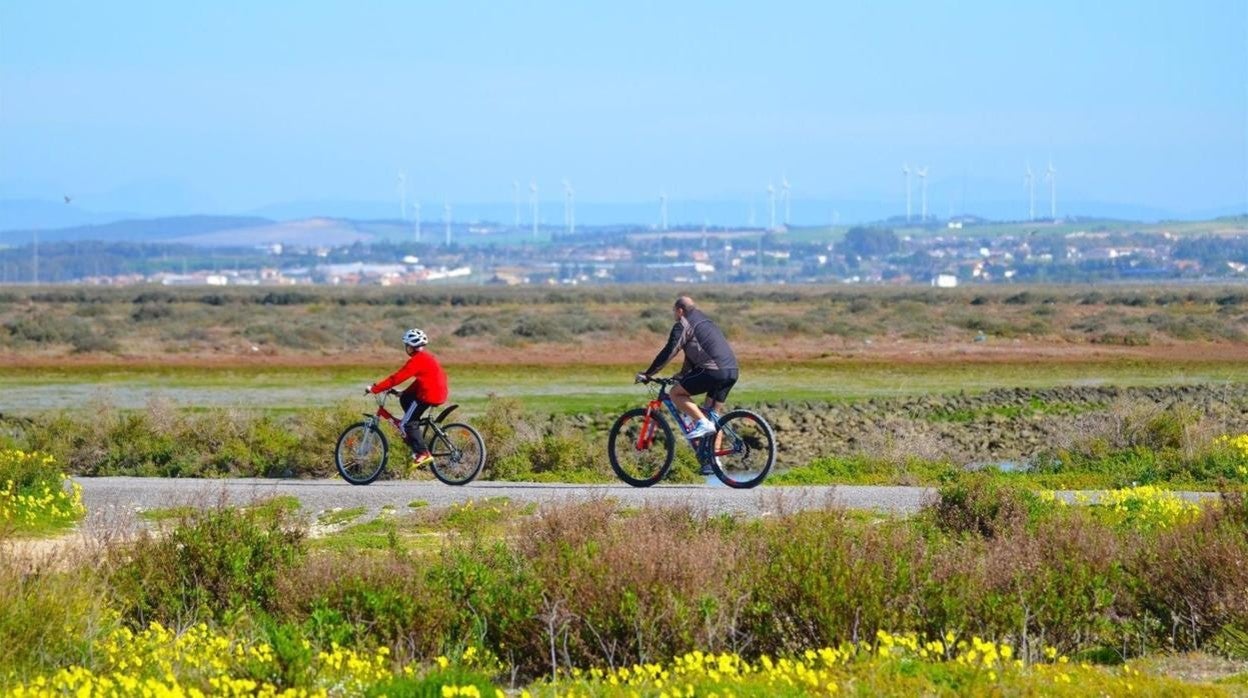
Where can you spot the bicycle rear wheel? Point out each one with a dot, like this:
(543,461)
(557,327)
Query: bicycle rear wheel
(458,453)
(745,449)
(361,453)
(640,449)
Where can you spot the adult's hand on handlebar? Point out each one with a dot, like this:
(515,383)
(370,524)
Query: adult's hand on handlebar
(368,390)
(641,378)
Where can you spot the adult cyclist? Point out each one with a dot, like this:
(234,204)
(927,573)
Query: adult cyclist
(428,389)
(710,366)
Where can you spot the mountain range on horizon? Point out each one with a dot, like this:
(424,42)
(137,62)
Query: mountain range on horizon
(320,231)
(23,215)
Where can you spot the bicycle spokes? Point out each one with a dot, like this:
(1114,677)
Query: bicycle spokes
(745,449)
(363,445)
(458,453)
(640,447)
(360,454)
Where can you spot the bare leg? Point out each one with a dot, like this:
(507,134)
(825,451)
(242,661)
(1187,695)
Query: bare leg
(684,402)
(718,408)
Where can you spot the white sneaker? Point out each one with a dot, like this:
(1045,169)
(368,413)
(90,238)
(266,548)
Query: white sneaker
(704,427)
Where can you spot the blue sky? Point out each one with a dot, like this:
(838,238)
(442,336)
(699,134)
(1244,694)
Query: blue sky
(231,107)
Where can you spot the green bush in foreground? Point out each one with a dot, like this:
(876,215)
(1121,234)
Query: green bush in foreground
(594,585)
(49,617)
(215,564)
(611,586)
(33,495)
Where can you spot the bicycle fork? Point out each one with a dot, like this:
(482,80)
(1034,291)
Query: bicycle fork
(645,436)
(366,443)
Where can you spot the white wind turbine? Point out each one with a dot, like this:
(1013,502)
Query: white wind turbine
(515,199)
(662,210)
(1030,180)
(1051,177)
(533,203)
(787,192)
(569,204)
(402,195)
(771,200)
(416,210)
(446,217)
(905,170)
(921,173)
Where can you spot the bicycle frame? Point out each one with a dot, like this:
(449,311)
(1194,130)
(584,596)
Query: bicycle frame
(648,426)
(383,413)
(426,421)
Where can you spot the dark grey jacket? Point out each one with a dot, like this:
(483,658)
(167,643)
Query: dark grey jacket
(704,345)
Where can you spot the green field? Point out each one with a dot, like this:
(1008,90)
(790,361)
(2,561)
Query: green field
(566,389)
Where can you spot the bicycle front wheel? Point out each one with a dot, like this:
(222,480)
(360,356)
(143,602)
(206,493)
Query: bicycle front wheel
(458,454)
(640,447)
(361,453)
(745,449)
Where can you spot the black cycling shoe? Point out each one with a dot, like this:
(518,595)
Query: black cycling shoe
(706,469)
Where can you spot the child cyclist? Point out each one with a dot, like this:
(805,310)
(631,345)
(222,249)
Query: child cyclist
(428,389)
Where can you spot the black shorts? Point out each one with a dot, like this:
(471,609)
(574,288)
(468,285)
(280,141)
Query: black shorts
(716,384)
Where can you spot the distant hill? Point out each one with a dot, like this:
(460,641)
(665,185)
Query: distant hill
(311,232)
(173,229)
(18,215)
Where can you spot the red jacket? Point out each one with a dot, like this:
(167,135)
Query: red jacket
(430,383)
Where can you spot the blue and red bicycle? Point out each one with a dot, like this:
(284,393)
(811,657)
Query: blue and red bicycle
(641,444)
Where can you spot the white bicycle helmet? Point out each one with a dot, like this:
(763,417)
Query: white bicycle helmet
(415,338)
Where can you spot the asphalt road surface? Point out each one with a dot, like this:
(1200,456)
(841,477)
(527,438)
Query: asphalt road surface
(114,501)
(119,499)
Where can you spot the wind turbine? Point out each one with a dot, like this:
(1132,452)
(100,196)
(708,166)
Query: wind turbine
(416,210)
(663,211)
(402,195)
(515,197)
(788,198)
(1030,180)
(569,202)
(1051,177)
(921,173)
(771,199)
(446,217)
(905,170)
(533,202)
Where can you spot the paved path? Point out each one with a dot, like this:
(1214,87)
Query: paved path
(115,501)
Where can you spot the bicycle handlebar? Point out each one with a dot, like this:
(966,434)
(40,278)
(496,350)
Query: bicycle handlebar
(381,397)
(661,381)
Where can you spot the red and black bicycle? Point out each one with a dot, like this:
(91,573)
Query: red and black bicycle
(641,444)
